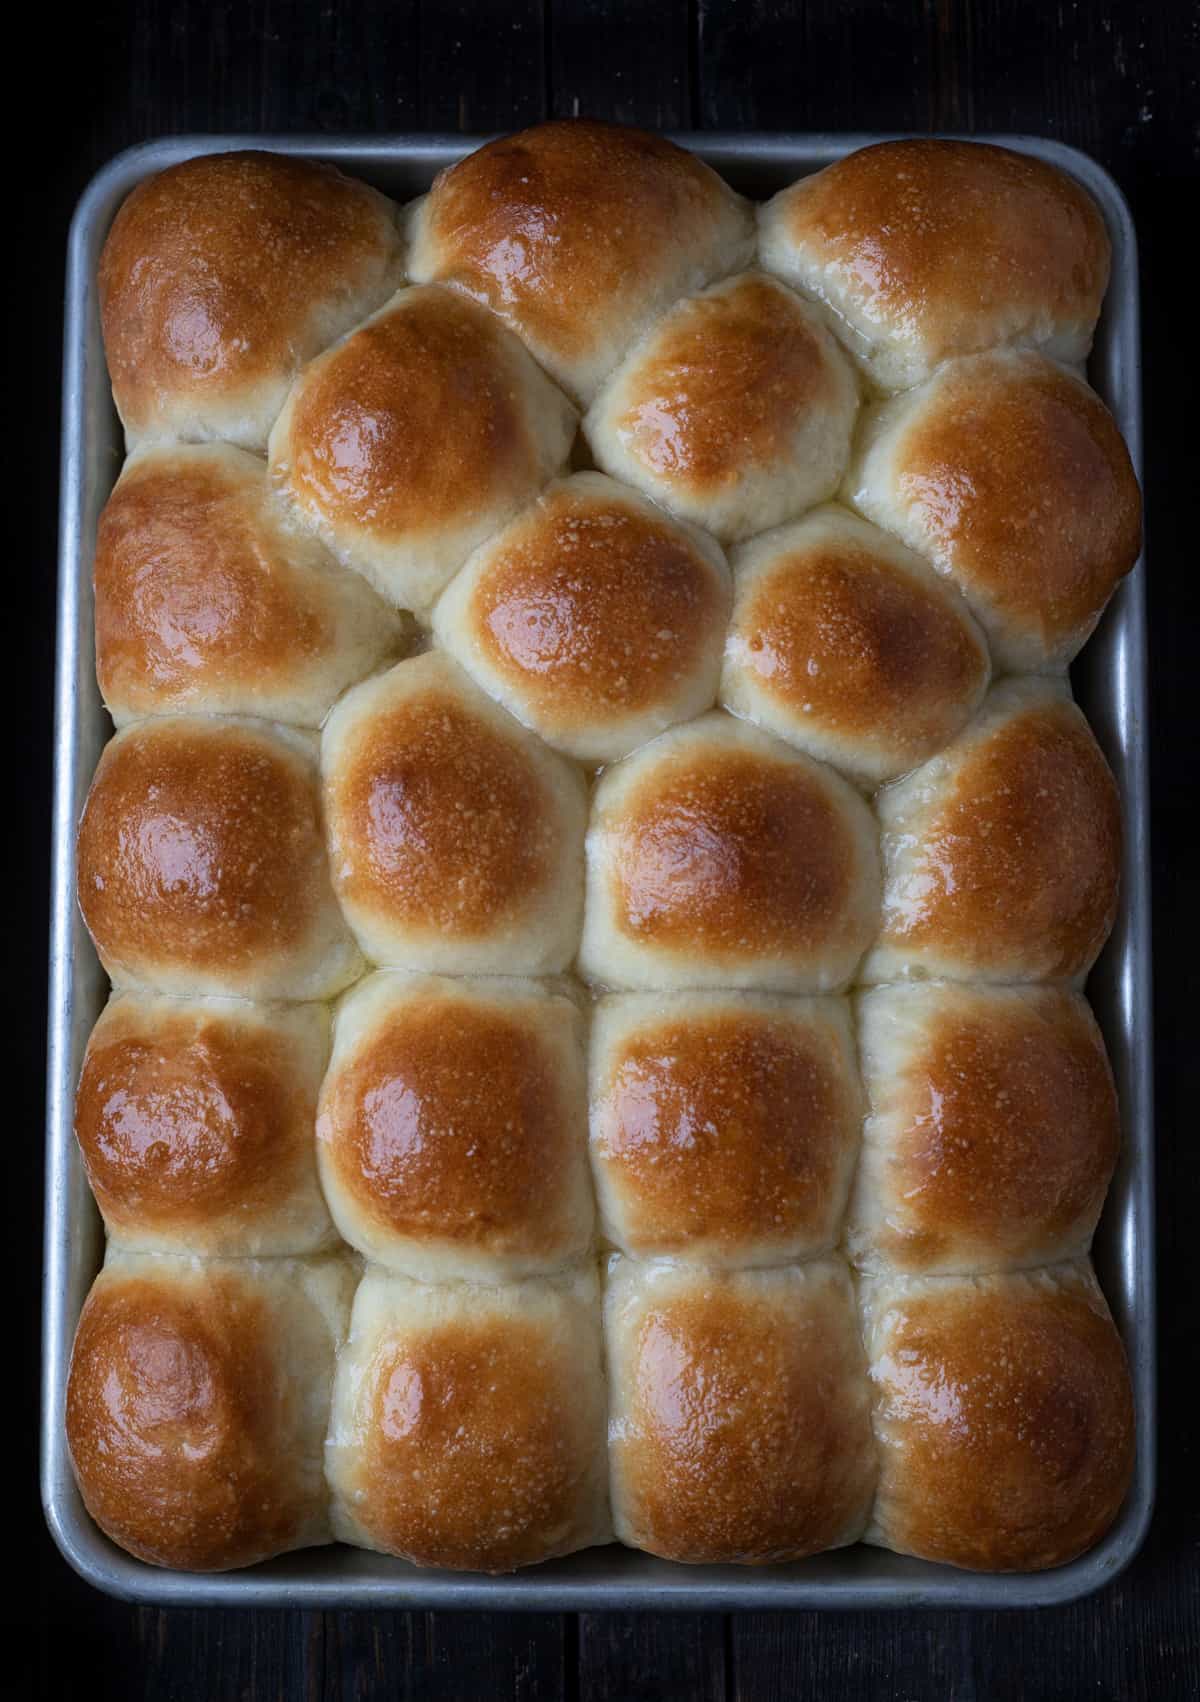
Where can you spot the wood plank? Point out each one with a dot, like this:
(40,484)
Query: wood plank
(443,1657)
(626,1657)
(824,65)
(604,62)
(482,66)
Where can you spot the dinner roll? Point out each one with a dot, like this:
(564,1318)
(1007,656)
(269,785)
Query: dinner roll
(593,617)
(716,856)
(196,1123)
(1011,476)
(724,1126)
(993,1128)
(198,1401)
(222,275)
(734,411)
(740,1425)
(846,645)
(453,1127)
(468,1423)
(207,601)
(924,249)
(1003,1414)
(408,443)
(578,234)
(1002,855)
(201,867)
(455,837)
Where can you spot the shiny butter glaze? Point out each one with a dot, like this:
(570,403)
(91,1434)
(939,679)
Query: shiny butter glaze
(741,1428)
(229,270)
(458,1117)
(1004,1416)
(996,1119)
(724,1128)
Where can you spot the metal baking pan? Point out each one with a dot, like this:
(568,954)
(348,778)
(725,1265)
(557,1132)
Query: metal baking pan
(1111,685)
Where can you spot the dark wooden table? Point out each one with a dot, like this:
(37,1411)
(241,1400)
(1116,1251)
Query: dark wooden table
(1117,79)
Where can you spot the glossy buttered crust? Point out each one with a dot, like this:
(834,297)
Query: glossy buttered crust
(1002,855)
(734,411)
(739,1423)
(729,867)
(410,442)
(1004,1417)
(197,1404)
(992,1128)
(222,275)
(577,234)
(595,618)
(922,250)
(468,1424)
(202,866)
(717,856)
(1010,475)
(208,601)
(724,1126)
(848,646)
(454,835)
(453,1124)
(196,1122)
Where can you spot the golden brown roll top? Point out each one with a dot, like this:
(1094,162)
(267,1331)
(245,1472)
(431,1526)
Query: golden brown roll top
(455,836)
(739,1426)
(453,1127)
(410,442)
(992,1132)
(845,644)
(1011,476)
(734,411)
(197,1405)
(196,1120)
(201,866)
(724,1126)
(921,250)
(208,601)
(1002,855)
(468,1423)
(1004,1417)
(593,618)
(222,275)
(719,857)
(577,234)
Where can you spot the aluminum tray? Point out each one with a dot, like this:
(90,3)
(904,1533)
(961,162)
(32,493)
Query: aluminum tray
(1111,685)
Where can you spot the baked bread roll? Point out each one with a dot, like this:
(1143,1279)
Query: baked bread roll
(992,1132)
(845,644)
(198,1401)
(468,1423)
(453,1127)
(924,249)
(455,836)
(740,1425)
(222,275)
(410,442)
(578,234)
(1003,1414)
(1011,476)
(201,867)
(734,411)
(196,1123)
(1002,855)
(593,618)
(718,857)
(724,1126)
(208,601)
